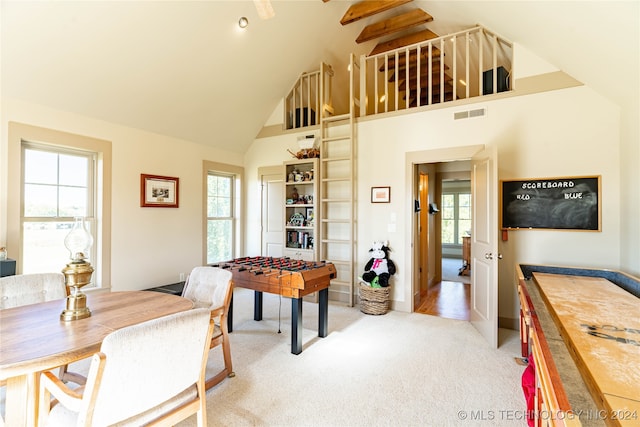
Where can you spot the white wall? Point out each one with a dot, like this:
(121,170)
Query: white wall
(568,132)
(149,246)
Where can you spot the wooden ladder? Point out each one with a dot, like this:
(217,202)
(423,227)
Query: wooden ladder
(337,194)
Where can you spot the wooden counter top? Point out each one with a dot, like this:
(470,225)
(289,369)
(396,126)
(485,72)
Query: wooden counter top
(600,324)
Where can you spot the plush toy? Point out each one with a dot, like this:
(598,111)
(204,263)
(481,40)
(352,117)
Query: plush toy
(379,268)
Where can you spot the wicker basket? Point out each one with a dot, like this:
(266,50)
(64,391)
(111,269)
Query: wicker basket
(374,300)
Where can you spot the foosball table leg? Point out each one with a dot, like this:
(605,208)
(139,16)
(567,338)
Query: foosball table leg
(296,325)
(323,310)
(257,305)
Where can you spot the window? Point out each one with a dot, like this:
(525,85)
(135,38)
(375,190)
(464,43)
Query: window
(456,217)
(58,185)
(219,218)
(54,176)
(222,203)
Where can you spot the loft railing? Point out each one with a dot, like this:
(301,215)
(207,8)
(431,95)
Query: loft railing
(462,65)
(309,97)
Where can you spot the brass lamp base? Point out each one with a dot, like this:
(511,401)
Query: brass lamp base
(76,307)
(76,275)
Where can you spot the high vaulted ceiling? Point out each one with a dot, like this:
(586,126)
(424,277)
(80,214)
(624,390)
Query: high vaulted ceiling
(184,69)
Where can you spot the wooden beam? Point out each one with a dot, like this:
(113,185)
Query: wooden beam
(410,39)
(367,8)
(394,24)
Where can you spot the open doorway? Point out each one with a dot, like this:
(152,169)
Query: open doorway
(446,292)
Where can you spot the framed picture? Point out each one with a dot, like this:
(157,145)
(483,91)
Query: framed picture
(380,194)
(309,215)
(159,191)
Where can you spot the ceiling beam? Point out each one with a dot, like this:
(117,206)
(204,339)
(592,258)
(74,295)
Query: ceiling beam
(368,8)
(407,40)
(394,24)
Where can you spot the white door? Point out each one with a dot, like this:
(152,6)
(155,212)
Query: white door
(484,244)
(272,213)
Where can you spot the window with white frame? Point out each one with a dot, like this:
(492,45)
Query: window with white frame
(456,216)
(220,217)
(58,184)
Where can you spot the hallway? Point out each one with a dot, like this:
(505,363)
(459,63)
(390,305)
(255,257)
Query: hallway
(449,298)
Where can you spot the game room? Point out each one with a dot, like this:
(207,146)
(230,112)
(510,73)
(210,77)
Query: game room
(192,142)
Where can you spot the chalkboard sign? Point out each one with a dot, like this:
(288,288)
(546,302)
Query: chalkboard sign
(556,203)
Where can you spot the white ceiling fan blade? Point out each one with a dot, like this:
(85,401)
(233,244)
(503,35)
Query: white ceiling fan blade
(264,8)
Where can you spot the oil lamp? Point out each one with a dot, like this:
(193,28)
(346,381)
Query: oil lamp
(78,272)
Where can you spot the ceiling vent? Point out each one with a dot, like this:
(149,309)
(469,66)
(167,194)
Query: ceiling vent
(469,113)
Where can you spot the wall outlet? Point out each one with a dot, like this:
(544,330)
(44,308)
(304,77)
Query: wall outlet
(182,277)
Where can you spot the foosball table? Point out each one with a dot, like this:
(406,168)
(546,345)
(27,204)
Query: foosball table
(287,277)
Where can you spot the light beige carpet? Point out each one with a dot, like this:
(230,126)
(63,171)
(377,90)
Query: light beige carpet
(397,369)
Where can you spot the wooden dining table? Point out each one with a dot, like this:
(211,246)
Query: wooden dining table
(34,339)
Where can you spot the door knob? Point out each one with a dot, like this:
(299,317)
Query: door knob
(488,255)
(499,256)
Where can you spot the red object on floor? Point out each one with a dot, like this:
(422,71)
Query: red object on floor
(529,389)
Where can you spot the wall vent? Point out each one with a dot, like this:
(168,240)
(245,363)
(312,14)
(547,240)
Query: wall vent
(469,113)
(460,115)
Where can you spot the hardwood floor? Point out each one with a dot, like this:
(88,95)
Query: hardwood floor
(447,299)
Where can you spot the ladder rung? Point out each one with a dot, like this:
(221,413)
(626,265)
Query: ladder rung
(336,200)
(336,159)
(340,282)
(337,118)
(337,221)
(348,179)
(336,138)
(339,262)
(335,241)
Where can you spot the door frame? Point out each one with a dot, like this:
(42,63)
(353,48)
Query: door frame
(412,159)
(266,171)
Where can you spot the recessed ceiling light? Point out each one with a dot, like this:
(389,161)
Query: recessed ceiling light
(243,22)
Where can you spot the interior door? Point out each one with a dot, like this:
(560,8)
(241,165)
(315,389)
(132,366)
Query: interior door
(272,212)
(484,244)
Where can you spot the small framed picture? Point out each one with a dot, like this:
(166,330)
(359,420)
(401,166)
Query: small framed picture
(380,194)
(309,215)
(159,191)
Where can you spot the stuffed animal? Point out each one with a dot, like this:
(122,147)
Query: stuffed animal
(379,268)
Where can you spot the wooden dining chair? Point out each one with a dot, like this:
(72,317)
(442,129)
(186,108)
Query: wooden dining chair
(152,373)
(212,287)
